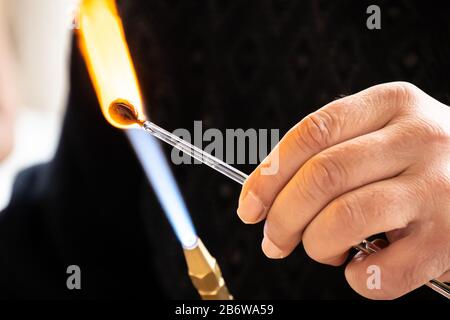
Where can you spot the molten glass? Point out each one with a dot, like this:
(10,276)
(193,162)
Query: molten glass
(123,113)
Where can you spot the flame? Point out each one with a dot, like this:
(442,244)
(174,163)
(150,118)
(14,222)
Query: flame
(105,50)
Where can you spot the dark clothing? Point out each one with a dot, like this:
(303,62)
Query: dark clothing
(232,64)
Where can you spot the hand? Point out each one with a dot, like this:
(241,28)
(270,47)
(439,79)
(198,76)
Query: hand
(376,161)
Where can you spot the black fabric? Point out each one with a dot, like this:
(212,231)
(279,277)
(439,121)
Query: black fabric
(231,64)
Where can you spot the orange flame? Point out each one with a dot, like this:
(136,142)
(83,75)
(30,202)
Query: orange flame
(105,50)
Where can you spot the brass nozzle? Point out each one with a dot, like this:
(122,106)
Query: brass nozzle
(205,274)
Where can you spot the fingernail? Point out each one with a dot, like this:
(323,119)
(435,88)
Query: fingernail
(270,249)
(250,208)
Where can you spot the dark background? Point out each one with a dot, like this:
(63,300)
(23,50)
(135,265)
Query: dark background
(231,64)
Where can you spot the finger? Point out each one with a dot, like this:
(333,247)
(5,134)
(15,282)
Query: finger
(340,120)
(445,277)
(333,172)
(399,268)
(359,214)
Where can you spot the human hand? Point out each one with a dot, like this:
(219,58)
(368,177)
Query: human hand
(376,161)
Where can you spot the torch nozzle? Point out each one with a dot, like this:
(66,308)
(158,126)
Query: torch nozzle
(205,273)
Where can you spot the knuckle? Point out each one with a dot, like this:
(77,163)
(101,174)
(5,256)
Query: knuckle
(427,134)
(350,216)
(404,87)
(302,186)
(316,130)
(326,174)
(400,93)
(401,90)
(432,133)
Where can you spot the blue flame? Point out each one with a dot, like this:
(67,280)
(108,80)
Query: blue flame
(156,168)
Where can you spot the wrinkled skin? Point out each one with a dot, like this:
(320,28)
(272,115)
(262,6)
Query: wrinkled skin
(373,162)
